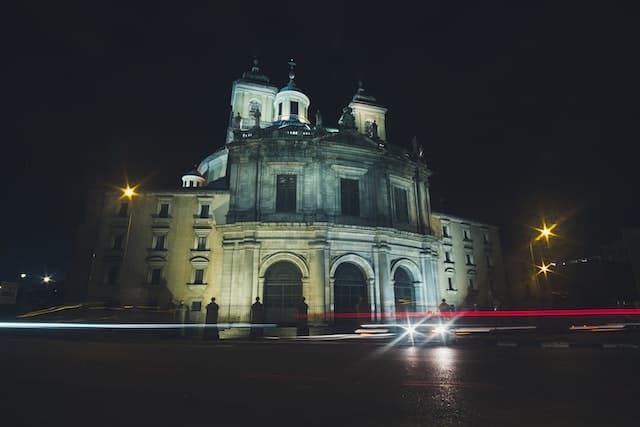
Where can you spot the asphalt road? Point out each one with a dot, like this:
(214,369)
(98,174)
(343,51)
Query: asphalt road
(60,382)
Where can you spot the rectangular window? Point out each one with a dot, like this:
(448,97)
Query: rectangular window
(196,305)
(198,277)
(124,208)
(402,211)
(286,193)
(112,276)
(280,109)
(294,108)
(447,256)
(117,241)
(202,243)
(469,259)
(450,283)
(204,211)
(156,276)
(489,261)
(164,210)
(472,283)
(350,197)
(445,231)
(485,237)
(159,242)
(467,234)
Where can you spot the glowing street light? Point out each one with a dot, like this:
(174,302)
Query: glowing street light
(546,231)
(23,275)
(128,192)
(545,268)
(46,279)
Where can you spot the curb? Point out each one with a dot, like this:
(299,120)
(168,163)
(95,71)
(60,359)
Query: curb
(565,345)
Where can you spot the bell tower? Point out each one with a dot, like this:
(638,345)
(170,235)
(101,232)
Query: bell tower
(252,100)
(369,114)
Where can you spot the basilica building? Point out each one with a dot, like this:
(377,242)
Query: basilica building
(291,208)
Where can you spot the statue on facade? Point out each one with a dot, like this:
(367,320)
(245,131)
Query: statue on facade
(257,116)
(347,120)
(373,130)
(257,317)
(211,330)
(236,121)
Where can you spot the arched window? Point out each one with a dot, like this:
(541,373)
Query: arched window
(349,287)
(282,292)
(405,291)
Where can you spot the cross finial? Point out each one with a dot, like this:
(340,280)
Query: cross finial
(292,73)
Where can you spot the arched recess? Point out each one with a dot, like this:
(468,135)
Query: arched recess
(351,278)
(354,259)
(407,285)
(293,258)
(282,292)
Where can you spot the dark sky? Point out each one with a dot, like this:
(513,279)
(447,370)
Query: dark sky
(525,109)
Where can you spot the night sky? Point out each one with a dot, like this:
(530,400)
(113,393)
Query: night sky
(525,109)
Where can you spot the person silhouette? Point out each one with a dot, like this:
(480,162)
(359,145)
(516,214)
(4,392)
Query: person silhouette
(362,309)
(181,317)
(257,317)
(211,332)
(444,307)
(302,323)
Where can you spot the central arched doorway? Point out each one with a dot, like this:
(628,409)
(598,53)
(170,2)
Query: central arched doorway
(405,291)
(349,286)
(282,292)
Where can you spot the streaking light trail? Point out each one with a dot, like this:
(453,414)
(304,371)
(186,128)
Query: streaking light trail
(503,313)
(53,325)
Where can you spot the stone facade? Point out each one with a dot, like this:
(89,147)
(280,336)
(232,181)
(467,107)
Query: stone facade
(287,210)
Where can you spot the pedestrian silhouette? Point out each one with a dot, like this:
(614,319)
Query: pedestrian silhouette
(302,323)
(181,317)
(211,327)
(362,309)
(257,318)
(444,307)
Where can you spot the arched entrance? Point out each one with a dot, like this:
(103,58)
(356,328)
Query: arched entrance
(349,286)
(282,292)
(405,291)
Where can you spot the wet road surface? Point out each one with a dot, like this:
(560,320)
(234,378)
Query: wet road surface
(100,383)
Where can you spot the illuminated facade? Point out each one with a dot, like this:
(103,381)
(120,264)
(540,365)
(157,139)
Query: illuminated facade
(290,209)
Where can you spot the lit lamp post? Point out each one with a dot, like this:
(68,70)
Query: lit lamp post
(543,233)
(129,193)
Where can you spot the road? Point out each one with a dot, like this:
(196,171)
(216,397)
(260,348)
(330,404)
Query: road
(99,382)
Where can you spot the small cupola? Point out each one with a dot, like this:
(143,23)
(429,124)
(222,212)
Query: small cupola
(193,178)
(291,105)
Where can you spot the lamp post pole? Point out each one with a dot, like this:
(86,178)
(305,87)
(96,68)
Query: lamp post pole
(544,232)
(534,274)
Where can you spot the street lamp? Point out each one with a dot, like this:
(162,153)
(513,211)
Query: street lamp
(544,232)
(129,193)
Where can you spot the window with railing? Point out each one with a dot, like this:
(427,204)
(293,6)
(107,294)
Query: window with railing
(198,277)
(202,243)
(286,193)
(350,197)
(164,210)
(156,276)
(402,210)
